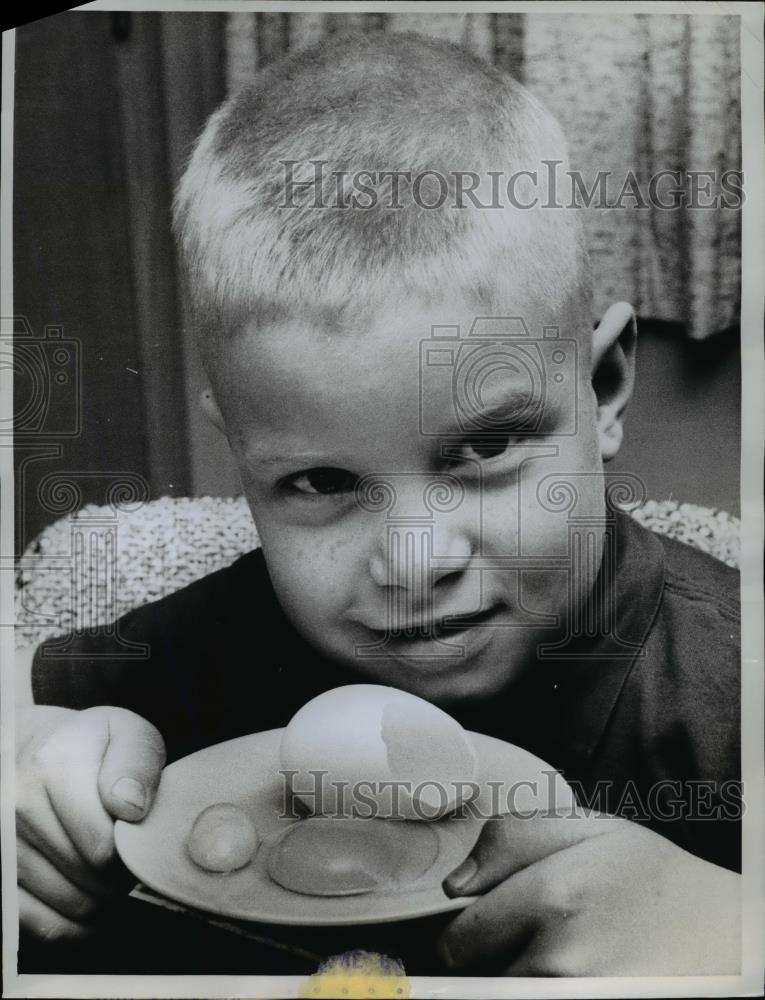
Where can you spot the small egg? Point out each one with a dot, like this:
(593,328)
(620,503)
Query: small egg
(348,857)
(222,839)
(371,750)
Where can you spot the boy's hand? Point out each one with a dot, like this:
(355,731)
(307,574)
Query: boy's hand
(590,896)
(76,773)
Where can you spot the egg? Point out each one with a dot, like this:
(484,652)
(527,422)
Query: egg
(349,857)
(369,750)
(222,839)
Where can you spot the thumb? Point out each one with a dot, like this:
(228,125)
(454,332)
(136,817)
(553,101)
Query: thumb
(507,844)
(131,766)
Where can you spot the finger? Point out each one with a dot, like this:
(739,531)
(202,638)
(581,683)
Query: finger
(132,765)
(71,764)
(497,927)
(38,826)
(45,923)
(508,844)
(47,884)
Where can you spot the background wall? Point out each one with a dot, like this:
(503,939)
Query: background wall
(683,427)
(107,106)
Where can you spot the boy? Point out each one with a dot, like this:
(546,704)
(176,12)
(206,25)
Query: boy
(335,219)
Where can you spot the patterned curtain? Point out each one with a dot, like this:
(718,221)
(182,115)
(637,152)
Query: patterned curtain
(636,94)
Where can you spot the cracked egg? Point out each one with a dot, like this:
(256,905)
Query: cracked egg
(367,750)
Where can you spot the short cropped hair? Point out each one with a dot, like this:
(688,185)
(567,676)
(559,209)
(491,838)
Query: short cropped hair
(254,240)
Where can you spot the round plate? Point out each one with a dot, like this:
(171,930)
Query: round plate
(245,771)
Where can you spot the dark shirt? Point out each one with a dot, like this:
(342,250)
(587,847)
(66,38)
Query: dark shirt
(641,714)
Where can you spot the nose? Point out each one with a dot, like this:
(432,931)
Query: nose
(418,556)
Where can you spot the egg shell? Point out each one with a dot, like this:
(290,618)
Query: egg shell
(363,735)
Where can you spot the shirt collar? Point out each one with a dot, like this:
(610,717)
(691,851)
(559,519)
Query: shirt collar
(575,684)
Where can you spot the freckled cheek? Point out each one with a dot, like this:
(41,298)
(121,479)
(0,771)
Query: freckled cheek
(314,577)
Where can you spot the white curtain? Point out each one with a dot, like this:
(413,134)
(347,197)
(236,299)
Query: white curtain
(638,93)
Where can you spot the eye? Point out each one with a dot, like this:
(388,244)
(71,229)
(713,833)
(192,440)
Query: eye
(488,447)
(482,448)
(324,481)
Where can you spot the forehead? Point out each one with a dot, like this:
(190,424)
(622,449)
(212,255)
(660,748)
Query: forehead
(389,359)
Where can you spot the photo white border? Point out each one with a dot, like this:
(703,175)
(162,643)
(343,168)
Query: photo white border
(10,928)
(752,449)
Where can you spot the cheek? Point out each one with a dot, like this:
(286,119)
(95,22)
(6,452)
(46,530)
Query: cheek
(499,524)
(313,573)
(533,514)
(518,525)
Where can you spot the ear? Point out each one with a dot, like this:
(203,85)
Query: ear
(613,373)
(211,411)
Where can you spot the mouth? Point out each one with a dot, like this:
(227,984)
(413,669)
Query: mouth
(443,628)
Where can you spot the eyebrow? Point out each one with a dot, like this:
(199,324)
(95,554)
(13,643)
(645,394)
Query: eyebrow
(261,460)
(500,416)
(514,406)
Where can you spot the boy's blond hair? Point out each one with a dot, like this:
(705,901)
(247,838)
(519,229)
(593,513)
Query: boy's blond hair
(378,103)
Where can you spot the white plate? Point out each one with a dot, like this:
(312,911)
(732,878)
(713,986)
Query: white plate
(245,771)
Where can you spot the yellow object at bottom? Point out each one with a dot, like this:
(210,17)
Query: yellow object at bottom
(358,975)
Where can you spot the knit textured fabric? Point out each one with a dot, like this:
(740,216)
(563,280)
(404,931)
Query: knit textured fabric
(95,565)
